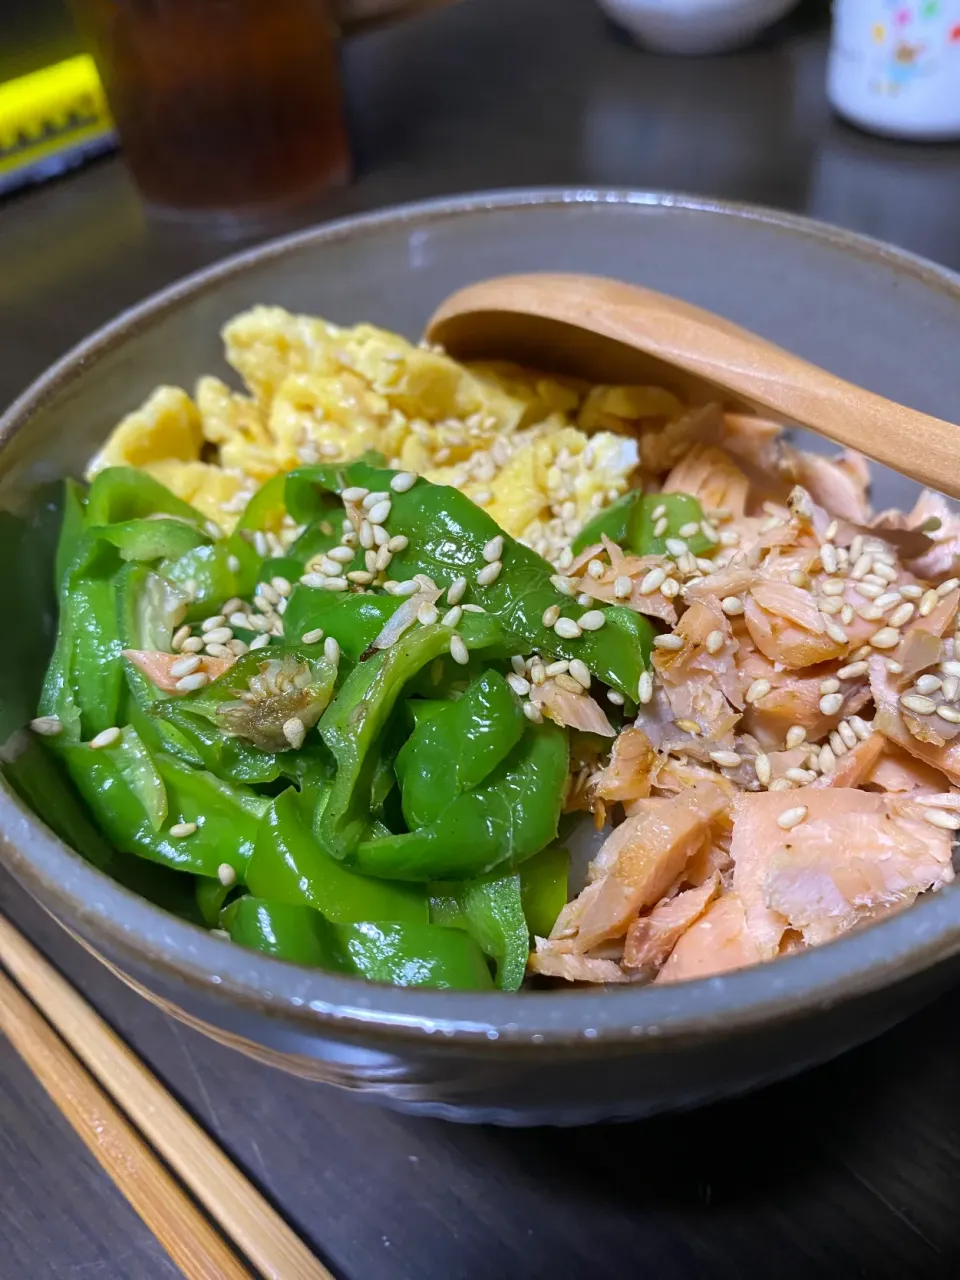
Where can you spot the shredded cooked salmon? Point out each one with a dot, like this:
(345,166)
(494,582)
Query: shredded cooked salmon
(793,772)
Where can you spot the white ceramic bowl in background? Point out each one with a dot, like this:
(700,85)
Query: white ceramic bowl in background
(695,27)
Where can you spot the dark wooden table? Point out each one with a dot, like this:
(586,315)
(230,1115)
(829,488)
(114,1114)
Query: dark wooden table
(853,1170)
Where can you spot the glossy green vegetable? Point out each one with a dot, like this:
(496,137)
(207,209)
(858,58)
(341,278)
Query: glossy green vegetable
(679,510)
(120,785)
(354,621)
(543,889)
(447,534)
(454,749)
(508,818)
(406,955)
(127,493)
(611,523)
(289,866)
(491,911)
(353,725)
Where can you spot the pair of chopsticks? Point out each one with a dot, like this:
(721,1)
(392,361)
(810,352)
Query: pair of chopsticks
(128,1118)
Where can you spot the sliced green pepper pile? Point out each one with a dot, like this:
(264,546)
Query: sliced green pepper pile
(327,749)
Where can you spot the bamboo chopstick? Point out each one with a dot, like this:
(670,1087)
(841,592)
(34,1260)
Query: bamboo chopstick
(242,1213)
(159,1199)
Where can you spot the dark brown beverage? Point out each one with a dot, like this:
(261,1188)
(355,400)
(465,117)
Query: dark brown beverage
(223,106)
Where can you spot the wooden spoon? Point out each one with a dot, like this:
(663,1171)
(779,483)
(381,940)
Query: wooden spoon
(613,332)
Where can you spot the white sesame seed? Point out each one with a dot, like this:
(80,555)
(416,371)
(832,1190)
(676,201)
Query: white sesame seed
(837,633)
(259,642)
(847,735)
(670,589)
(951,685)
(616,698)
(533,712)
(341,555)
(458,650)
(790,818)
(780,784)
(233,564)
(46,726)
(193,644)
(837,744)
(211,623)
(689,530)
(885,638)
(869,613)
(885,572)
(945,588)
(829,604)
(237,647)
(862,565)
(829,686)
(538,672)
(179,636)
(758,689)
(941,818)
(294,731)
(380,513)
(831,530)
(218,635)
(331,650)
(901,616)
(489,573)
(651,581)
(928,684)
(731,606)
(725,759)
(226,874)
(800,776)
(853,670)
(832,586)
(427,614)
(676,546)
(185,666)
(826,759)
(557,668)
(519,685)
(645,687)
(106,738)
(567,682)
(336,584)
(828,557)
(592,620)
(860,727)
(846,615)
(669,642)
(796,734)
(354,494)
(583,599)
(567,629)
(729,538)
(910,591)
(917,703)
(893,666)
(315,580)
(715,641)
(452,617)
(550,615)
(580,672)
(399,542)
(403,481)
(948,713)
(950,667)
(493,550)
(888,599)
(761,764)
(181,829)
(831,703)
(660,526)
(407,588)
(190,684)
(622,587)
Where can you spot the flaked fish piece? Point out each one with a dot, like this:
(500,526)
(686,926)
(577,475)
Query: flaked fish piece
(645,855)
(772,623)
(651,938)
(717,942)
(890,721)
(549,962)
(839,485)
(628,776)
(700,679)
(574,710)
(157,666)
(844,865)
(712,477)
(662,447)
(897,770)
(856,766)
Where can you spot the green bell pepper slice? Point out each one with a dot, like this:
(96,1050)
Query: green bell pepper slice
(72,526)
(405,955)
(121,494)
(447,534)
(611,523)
(508,818)
(227,816)
(679,509)
(353,619)
(490,909)
(454,750)
(544,888)
(288,866)
(354,723)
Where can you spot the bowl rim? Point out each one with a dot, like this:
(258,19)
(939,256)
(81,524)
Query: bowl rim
(139,933)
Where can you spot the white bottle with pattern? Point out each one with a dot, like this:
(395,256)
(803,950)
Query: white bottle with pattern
(895,66)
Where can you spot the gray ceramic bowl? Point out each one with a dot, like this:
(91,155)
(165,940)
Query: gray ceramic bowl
(868,312)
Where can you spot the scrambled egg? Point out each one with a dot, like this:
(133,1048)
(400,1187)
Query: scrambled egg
(540,454)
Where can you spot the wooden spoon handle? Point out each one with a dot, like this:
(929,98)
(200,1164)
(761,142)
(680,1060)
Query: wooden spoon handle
(735,364)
